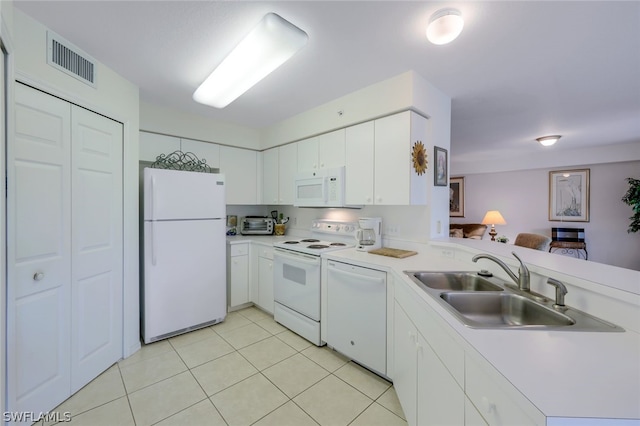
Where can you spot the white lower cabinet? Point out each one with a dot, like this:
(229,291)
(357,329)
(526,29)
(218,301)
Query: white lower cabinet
(237,274)
(440,381)
(428,393)
(495,399)
(264,278)
(265,284)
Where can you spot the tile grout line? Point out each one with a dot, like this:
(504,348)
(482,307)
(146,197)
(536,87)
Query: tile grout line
(258,315)
(126,393)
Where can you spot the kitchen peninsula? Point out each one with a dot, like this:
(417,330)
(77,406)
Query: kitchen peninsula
(531,377)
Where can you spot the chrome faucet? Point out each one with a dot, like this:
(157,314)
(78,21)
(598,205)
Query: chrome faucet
(561,291)
(523,272)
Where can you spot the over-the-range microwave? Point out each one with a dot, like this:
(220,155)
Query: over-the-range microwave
(320,188)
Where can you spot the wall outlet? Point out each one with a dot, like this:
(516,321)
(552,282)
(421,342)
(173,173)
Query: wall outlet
(294,221)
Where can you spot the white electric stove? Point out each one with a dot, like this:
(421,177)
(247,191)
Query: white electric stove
(296,279)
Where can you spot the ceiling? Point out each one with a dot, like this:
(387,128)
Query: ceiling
(519,70)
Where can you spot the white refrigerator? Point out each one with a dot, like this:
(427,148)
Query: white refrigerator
(184,268)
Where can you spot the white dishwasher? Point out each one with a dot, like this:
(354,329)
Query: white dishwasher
(357,314)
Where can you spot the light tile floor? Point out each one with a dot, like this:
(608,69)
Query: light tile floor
(249,370)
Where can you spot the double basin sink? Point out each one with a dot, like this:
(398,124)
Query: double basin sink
(487,302)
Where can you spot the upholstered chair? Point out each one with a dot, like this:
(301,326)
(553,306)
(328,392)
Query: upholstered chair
(534,241)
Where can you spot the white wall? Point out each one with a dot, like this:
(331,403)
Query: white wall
(523,199)
(374,101)
(174,122)
(114,97)
(491,161)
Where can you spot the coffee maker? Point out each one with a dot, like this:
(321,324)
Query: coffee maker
(368,236)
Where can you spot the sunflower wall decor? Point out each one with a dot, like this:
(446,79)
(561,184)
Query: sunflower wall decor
(419,157)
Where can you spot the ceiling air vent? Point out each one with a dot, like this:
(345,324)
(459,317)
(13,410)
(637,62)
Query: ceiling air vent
(69,59)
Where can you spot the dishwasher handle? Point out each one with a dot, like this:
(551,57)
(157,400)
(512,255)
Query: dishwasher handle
(355,276)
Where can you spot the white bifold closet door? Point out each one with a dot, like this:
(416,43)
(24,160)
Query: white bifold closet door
(64,269)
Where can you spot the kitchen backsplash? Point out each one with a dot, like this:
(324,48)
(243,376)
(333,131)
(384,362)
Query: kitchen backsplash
(398,222)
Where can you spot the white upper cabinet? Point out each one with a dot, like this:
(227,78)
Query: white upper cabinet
(240,167)
(396,182)
(379,165)
(279,167)
(359,164)
(322,152)
(203,150)
(287,172)
(331,149)
(270,181)
(308,154)
(392,159)
(153,144)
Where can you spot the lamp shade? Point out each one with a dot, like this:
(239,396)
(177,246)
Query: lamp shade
(493,217)
(444,26)
(271,43)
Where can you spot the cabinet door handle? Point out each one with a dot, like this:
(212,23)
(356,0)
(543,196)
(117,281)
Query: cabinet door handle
(38,276)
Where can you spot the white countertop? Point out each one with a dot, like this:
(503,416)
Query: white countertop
(564,374)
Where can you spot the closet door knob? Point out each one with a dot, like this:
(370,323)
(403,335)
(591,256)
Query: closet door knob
(38,276)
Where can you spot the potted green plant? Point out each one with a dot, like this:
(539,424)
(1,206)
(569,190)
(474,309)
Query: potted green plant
(632,198)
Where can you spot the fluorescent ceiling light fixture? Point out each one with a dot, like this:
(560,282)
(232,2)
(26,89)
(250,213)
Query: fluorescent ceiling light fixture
(269,44)
(548,140)
(444,26)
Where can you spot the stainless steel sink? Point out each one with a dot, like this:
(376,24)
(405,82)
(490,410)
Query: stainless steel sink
(488,302)
(455,281)
(503,310)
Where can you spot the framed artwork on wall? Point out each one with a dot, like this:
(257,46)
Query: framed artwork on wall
(569,195)
(440,171)
(456,197)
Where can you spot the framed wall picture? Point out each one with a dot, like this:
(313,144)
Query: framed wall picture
(440,171)
(456,197)
(569,195)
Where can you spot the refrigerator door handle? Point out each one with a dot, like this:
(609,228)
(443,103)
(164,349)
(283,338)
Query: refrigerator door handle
(153,244)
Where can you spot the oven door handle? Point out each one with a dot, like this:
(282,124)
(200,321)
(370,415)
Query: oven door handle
(296,257)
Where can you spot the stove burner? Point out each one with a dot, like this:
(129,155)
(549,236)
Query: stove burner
(290,242)
(310,240)
(317,246)
(337,244)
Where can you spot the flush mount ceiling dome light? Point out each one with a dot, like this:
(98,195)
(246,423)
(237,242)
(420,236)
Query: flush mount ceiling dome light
(269,44)
(444,26)
(548,140)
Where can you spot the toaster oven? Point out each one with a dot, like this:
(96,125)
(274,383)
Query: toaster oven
(256,225)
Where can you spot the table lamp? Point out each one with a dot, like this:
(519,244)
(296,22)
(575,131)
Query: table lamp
(493,218)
